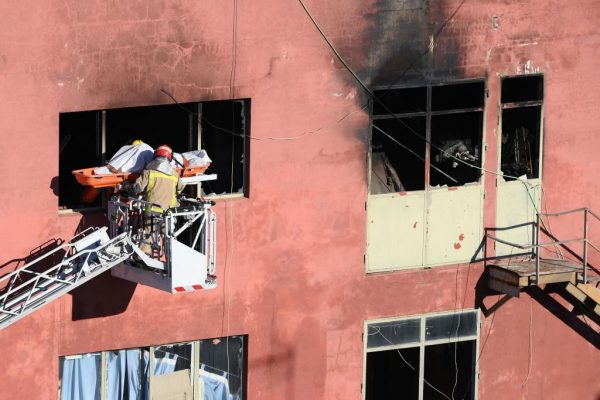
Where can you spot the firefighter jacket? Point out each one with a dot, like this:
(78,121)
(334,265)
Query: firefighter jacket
(160,184)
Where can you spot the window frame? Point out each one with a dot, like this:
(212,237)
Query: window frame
(194,370)
(423,343)
(428,114)
(194,137)
(502,106)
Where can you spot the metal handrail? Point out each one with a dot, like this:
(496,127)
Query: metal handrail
(534,246)
(538,246)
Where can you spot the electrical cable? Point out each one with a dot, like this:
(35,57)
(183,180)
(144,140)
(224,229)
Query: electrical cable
(529,365)
(395,116)
(274,138)
(231,95)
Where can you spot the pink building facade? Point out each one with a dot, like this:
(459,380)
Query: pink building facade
(302,268)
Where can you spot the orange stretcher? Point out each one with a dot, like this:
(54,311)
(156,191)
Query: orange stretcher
(87,177)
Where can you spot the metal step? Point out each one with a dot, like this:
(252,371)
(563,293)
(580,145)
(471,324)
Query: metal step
(588,295)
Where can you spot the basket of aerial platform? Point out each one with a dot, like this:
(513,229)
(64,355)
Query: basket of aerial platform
(173,249)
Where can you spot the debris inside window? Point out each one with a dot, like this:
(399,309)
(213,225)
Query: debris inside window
(521,127)
(449,117)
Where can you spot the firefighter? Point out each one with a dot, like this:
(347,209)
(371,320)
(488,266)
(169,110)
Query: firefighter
(159,181)
(159,184)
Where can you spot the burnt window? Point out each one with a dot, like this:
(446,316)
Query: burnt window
(521,99)
(426,136)
(424,357)
(90,138)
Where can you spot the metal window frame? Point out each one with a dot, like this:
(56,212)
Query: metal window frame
(101,146)
(521,104)
(194,368)
(422,343)
(428,113)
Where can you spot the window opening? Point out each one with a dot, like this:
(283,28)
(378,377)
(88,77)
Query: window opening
(443,374)
(79,147)
(393,374)
(394,167)
(219,127)
(521,127)
(426,357)
(192,370)
(457,135)
(522,88)
(224,124)
(450,116)
(401,101)
(224,360)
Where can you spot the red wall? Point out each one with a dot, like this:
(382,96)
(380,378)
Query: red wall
(291,272)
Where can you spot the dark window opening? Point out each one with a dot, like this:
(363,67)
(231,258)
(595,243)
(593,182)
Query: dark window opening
(522,88)
(457,96)
(438,362)
(154,125)
(400,101)
(226,357)
(456,136)
(393,374)
(222,128)
(449,117)
(398,160)
(450,369)
(79,147)
(521,127)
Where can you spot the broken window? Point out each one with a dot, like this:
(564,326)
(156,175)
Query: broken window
(190,370)
(425,357)
(521,99)
(90,138)
(426,136)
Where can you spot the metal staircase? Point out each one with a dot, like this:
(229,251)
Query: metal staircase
(510,275)
(86,255)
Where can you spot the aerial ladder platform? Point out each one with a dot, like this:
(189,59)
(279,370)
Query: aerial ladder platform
(173,251)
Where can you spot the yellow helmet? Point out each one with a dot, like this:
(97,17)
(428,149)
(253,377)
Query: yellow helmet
(136,142)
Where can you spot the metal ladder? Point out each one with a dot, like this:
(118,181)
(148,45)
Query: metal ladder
(87,255)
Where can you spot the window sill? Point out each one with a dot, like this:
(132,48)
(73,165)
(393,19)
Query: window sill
(230,196)
(79,211)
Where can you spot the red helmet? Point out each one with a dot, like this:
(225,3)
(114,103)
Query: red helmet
(163,151)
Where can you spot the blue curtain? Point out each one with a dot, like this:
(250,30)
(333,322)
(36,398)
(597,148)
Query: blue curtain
(127,374)
(80,378)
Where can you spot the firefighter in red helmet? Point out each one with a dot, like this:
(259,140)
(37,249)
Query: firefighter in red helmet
(159,183)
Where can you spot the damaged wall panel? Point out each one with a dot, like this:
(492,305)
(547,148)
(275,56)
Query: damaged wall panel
(427,145)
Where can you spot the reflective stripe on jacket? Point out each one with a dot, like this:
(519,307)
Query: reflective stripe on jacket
(159,188)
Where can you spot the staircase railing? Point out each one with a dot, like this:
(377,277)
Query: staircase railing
(536,247)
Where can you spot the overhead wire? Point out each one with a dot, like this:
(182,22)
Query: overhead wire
(228,206)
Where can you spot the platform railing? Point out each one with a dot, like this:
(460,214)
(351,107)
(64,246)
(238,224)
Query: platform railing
(537,247)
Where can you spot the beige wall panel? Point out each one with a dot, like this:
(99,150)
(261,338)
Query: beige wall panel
(515,206)
(454,230)
(394,231)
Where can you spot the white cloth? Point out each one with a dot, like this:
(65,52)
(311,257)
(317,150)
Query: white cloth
(196,158)
(132,158)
